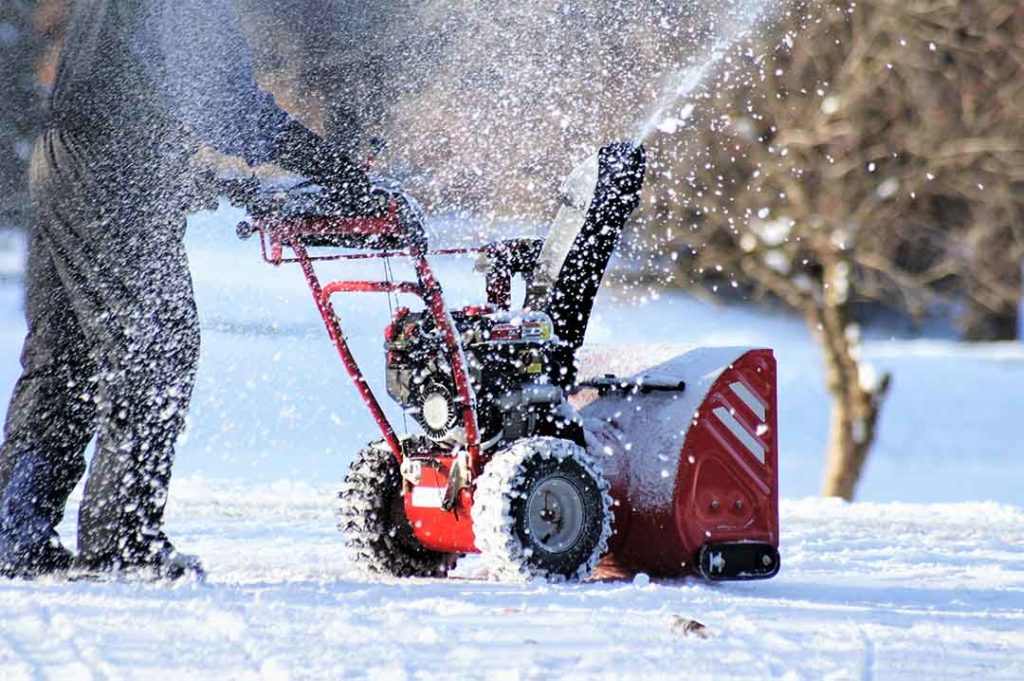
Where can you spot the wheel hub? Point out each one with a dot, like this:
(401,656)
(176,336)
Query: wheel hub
(555,514)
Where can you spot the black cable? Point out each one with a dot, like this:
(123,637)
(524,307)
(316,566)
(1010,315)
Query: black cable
(389,277)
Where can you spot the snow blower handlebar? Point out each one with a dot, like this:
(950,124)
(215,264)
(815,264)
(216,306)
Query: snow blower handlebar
(395,231)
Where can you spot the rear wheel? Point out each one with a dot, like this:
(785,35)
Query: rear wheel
(542,511)
(373,522)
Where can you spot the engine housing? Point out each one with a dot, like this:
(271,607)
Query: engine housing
(513,361)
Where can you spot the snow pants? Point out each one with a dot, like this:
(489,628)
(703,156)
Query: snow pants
(111,353)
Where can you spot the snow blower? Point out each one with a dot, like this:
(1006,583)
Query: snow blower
(544,458)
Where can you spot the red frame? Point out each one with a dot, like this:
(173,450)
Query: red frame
(277,234)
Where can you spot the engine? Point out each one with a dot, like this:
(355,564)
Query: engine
(513,363)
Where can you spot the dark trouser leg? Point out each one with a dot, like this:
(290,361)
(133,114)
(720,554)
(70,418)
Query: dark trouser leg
(148,348)
(49,420)
(117,253)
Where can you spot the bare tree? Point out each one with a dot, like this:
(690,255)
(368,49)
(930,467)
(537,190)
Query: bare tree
(868,152)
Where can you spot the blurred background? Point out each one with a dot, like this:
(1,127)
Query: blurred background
(841,181)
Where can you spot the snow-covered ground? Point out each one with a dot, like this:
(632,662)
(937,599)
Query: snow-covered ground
(867,591)
(904,584)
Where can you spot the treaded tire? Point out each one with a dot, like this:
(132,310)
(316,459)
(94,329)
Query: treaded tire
(504,497)
(372,520)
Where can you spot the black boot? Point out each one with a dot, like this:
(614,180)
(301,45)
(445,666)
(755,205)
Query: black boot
(29,562)
(29,545)
(171,565)
(158,561)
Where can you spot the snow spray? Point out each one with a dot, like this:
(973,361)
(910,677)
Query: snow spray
(734,25)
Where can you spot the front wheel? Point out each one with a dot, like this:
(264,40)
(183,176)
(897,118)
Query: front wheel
(372,518)
(541,510)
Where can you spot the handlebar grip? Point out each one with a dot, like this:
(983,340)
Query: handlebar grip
(244,230)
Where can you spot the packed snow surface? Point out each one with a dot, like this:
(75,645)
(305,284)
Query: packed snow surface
(885,591)
(904,584)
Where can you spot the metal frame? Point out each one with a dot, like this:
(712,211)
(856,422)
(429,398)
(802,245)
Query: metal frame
(278,234)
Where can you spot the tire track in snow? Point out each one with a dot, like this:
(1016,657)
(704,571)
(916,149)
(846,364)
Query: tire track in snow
(867,672)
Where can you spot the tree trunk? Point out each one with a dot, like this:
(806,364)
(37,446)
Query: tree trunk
(851,433)
(855,401)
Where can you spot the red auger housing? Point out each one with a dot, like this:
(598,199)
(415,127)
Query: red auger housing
(695,472)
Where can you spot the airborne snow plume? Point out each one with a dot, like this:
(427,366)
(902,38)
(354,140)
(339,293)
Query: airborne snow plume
(488,106)
(732,23)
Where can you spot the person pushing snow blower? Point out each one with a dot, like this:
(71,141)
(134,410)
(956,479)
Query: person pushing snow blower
(113,335)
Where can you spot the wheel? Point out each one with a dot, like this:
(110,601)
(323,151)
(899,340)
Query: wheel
(541,510)
(373,521)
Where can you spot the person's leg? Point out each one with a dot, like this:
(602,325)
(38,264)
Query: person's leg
(49,423)
(149,346)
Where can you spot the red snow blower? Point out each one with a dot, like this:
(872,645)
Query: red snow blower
(544,458)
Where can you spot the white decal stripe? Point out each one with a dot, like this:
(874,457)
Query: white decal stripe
(741,433)
(749,399)
(427,497)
